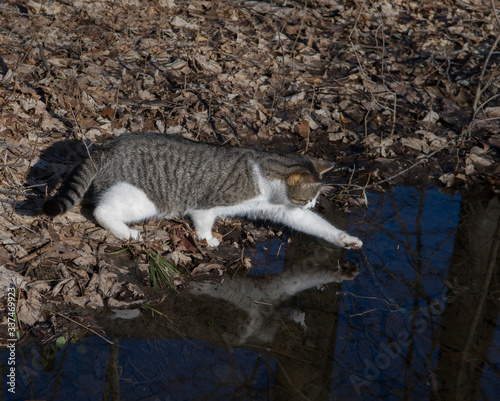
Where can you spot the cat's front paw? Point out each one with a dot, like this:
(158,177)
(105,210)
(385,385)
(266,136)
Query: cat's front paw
(209,238)
(135,235)
(213,242)
(349,242)
(126,234)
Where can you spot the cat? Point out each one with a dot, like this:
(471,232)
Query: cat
(138,176)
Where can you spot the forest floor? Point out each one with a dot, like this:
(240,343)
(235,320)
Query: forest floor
(400,92)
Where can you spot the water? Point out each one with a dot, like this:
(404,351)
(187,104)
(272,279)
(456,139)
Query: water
(415,317)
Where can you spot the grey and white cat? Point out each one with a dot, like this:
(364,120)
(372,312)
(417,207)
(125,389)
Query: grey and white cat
(139,176)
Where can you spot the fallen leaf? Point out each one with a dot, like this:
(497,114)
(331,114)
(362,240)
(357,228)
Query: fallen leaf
(103,283)
(302,128)
(416,144)
(179,258)
(431,117)
(108,113)
(30,310)
(8,279)
(479,158)
(179,22)
(208,65)
(204,268)
(492,112)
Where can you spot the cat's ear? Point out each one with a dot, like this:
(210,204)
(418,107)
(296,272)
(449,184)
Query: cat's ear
(296,179)
(321,166)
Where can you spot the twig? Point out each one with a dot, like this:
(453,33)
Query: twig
(12,10)
(270,119)
(83,137)
(357,20)
(11,165)
(495,12)
(366,121)
(79,324)
(292,50)
(359,187)
(393,115)
(376,282)
(32,153)
(480,89)
(474,115)
(44,60)
(309,122)
(425,158)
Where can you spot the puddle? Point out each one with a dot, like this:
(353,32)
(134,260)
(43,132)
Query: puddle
(414,317)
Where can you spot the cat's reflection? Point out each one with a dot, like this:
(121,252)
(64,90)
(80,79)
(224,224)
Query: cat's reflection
(264,299)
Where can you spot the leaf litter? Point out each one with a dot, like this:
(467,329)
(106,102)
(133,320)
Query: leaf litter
(400,92)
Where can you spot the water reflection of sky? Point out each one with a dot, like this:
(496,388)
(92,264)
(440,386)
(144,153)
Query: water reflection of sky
(408,234)
(409,240)
(270,257)
(394,332)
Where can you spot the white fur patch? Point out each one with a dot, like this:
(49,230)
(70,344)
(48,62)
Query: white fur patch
(311,203)
(120,204)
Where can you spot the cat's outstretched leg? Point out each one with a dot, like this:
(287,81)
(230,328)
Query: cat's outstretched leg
(123,203)
(310,223)
(203,220)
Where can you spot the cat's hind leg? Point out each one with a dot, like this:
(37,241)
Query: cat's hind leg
(203,220)
(120,204)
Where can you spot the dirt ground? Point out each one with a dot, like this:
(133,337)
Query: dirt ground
(395,92)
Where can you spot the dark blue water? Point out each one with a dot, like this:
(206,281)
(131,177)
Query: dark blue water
(144,370)
(415,317)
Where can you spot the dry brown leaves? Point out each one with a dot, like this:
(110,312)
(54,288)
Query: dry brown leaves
(378,85)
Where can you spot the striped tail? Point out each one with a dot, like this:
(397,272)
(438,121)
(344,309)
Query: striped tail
(72,190)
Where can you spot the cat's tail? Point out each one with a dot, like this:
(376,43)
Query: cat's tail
(73,189)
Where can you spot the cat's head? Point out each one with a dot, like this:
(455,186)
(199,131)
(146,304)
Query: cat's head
(303,187)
